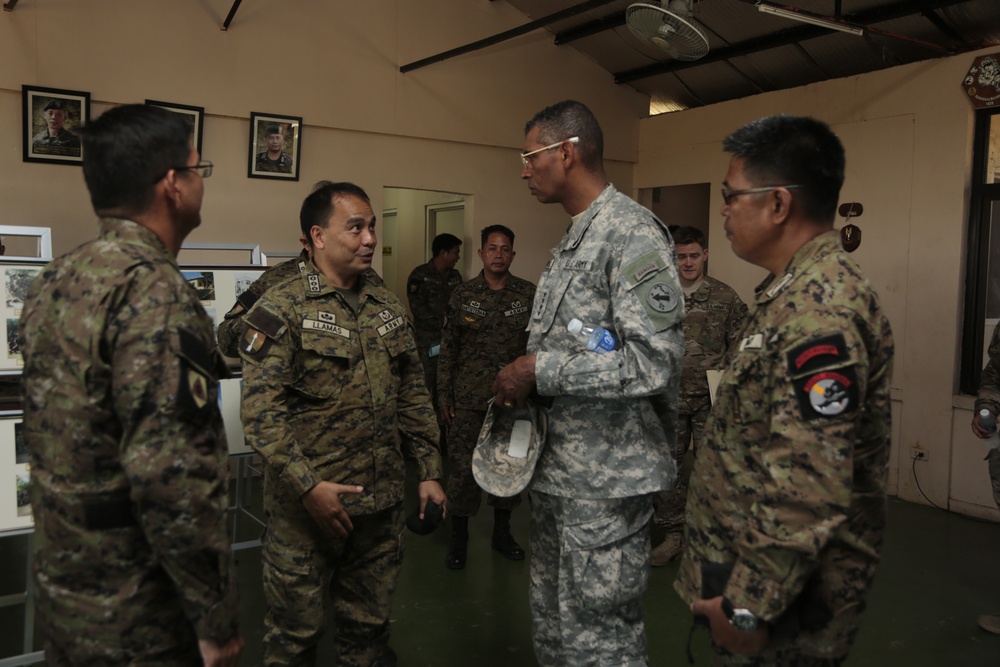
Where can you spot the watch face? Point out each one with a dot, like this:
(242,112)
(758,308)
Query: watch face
(744,620)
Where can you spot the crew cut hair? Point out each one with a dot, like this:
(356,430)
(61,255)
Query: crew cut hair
(126,151)
(444,243)
(495,229)
(318,207)
(785,150)
(568,119)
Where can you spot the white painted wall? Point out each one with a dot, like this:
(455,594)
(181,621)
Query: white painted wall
(908,136)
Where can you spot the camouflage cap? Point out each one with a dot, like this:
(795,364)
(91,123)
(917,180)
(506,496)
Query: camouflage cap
(508,448)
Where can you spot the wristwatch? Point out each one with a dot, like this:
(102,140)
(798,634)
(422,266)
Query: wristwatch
(743,620)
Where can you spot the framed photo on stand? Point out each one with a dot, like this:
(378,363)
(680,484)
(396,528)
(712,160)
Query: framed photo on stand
(193,116)
(52,119)
(275,146)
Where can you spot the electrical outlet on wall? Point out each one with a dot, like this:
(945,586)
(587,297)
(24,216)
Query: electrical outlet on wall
(918,453)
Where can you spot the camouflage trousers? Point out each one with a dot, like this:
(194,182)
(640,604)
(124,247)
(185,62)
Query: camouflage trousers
(302,565)
(82,629)
(464,495)
(994,461)
(669,505)
(589,571)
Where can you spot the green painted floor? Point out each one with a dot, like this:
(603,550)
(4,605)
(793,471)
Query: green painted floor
(939,571)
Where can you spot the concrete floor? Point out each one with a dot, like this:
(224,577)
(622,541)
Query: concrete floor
(938,573)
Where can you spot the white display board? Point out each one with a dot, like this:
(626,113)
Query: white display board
(15,501)
(229,403)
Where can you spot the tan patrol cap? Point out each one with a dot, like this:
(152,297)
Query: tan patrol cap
(508,448)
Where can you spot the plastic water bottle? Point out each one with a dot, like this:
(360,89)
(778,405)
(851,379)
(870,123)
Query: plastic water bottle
(599,339)
(989,423)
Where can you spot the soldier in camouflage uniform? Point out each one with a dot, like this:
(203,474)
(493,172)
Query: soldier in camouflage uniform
(333,397)
(231,328)
(786,507)
(274,159)
(121,419)
(485,328)
(988,398)
(613,418)
(714,314)
(428,289)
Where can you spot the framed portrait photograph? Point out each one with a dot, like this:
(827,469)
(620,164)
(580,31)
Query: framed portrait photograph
(52,121)
(193,116)
(275,146)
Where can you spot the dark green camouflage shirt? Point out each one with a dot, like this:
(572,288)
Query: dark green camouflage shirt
(713,321)
(231,328)
(127,446)
(789,485)
(428,291)
(484,330)
(333,395)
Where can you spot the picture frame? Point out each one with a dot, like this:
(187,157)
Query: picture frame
(51,120)
(193,116)
(262,161)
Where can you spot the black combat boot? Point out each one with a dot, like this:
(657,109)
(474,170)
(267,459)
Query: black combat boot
(459,549)
(503,541)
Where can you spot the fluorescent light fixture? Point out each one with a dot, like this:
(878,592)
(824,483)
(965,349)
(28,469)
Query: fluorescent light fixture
(812,19)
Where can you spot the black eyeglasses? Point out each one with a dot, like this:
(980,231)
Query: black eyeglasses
(204,168)
(727,195)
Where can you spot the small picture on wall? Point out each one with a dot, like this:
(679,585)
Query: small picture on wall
(275,146)
(17,283)
(23,483)
(13,341)
(193,116)
(20,449)
(202,282)
(52,119)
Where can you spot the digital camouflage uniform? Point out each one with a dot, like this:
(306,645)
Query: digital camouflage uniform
(428,291)
(611,431)
(64,143)
(989,398)
(787,501)
(128,457)
(484,330)
(337,396)
(714,316)
(283,164)
(231,328)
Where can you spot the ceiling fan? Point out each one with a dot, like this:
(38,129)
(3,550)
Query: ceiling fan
(669,26)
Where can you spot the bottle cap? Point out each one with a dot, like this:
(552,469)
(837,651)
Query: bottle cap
(574,326)
(984,413)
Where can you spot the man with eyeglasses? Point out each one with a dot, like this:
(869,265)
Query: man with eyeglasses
(485,327)
(786,508)
(612,423)
(121,418)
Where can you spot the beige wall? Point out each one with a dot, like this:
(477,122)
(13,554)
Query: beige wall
(455,126)
(907,132)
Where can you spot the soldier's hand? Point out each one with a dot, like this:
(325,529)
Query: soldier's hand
(432,491)
(214,654)
(514,382)
(447,414)
(723,632)
(977,429)
(323,504)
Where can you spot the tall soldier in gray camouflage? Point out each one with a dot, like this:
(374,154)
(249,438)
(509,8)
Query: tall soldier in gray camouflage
(333,396)
(786,506)
(486,327)
(988,398)
(428,289)
(613,419)
(231,328)
(714,315)
(121,419)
